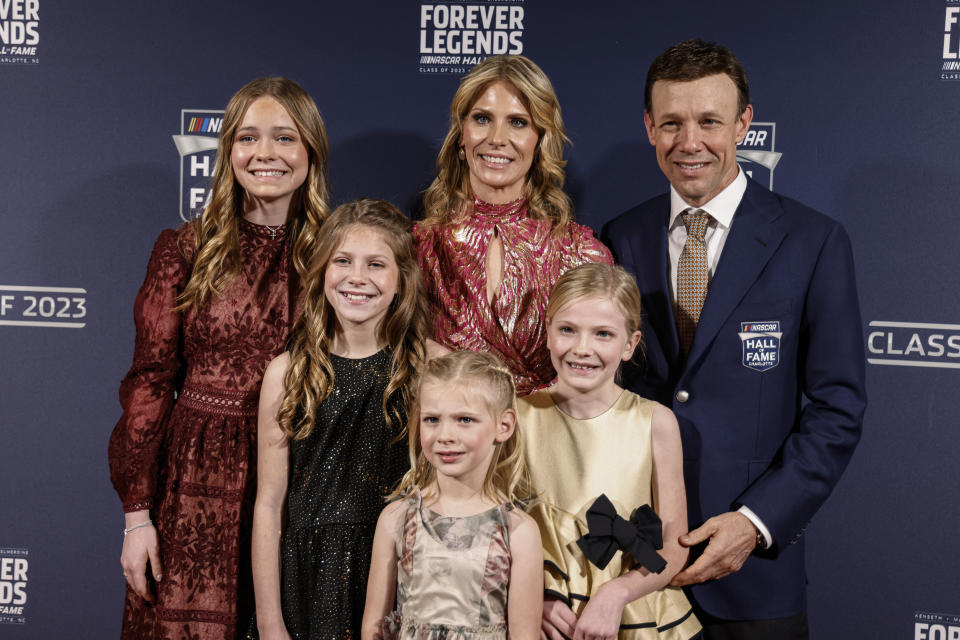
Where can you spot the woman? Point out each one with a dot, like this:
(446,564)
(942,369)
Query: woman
(499,230)
(216,306)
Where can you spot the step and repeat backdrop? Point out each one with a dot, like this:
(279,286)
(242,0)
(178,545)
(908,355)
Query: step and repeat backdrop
(109,113)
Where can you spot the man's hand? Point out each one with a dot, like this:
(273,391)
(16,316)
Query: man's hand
(732,539)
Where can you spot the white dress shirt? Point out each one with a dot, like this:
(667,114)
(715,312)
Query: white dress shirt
(721,209)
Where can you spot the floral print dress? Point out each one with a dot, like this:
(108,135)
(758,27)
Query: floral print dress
(452,575)
(185,447)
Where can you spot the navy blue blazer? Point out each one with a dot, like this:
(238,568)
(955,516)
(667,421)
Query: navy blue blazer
(773,388)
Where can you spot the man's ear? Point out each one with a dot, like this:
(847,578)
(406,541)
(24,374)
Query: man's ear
(648,123)
(743,123)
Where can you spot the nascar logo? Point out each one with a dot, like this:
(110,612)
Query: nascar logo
(197,146)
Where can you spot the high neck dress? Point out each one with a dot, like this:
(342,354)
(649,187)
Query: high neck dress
(185,446)
(452,258)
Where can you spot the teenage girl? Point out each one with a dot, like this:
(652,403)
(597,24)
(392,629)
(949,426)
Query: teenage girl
(609,466)
(217,305)
(457,556)
(330,421)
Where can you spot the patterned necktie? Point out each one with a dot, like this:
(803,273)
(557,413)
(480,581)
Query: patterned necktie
(693,276)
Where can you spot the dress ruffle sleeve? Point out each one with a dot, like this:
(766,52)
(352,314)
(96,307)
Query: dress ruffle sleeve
(557,530)
(147,391)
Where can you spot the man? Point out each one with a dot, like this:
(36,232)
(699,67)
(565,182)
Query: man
(752,337)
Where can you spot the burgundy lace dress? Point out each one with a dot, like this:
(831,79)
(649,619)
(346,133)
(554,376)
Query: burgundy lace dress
(185,447)
(513,327)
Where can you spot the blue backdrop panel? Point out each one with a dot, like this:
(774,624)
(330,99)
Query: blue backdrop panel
(859,99)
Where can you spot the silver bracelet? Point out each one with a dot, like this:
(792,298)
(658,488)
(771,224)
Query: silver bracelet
(137,526)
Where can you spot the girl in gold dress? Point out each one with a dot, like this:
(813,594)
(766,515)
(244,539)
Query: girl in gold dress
(603,456)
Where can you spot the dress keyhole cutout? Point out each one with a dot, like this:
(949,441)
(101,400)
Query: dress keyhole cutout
(494,266)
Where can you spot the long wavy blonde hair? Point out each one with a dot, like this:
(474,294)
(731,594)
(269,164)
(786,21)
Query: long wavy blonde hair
(450,196)
(215,233)
(507,478)
(310,377)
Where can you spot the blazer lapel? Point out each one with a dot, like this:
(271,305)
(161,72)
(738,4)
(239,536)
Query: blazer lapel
(753,239)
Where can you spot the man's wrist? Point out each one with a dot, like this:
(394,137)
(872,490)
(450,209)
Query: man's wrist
(764,538)
(761,541)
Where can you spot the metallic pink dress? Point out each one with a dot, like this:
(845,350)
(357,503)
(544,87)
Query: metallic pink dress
(452,258)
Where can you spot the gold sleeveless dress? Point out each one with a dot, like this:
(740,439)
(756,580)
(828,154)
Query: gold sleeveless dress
(571,463)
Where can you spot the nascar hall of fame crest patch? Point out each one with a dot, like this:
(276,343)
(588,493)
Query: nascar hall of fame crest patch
(19,31)
(197,146)
(761,344)
(950,69)
(455,36)
(756,152)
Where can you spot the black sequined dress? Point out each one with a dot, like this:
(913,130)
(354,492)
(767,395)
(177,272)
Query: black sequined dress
(338,478)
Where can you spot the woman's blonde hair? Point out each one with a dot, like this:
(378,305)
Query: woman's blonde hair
(507,478)
(215,233)
(309,378)
(450,193)
(597,280)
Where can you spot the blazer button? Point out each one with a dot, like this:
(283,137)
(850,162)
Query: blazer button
(683,395)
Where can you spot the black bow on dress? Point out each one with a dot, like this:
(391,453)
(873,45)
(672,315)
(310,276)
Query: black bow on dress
(641,536)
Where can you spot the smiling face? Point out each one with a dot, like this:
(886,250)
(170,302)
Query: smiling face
(269,158)
(499,140)
(459,430)
(695,128)
(361,278)
(588,339)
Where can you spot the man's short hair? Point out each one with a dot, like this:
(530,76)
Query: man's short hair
(694,59)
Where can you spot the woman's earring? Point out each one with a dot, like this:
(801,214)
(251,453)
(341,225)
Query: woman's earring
(462,154)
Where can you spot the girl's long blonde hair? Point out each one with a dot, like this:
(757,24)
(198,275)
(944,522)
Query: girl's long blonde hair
(310,378)
(507,478)
(450,196)
(215,234)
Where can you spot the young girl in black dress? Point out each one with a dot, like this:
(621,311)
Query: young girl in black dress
(331,411)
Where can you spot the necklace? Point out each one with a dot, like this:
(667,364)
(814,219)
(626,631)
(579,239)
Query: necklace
(273,230)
